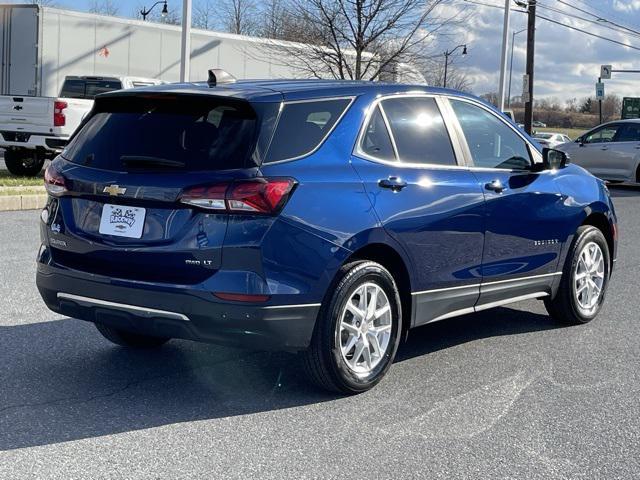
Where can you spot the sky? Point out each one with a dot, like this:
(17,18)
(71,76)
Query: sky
(567,63)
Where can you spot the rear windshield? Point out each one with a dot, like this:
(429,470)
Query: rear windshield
(170,133)
(543,136)
(88,89)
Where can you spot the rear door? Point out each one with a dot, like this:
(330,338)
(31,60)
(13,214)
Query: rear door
(523,208)
(624,152)
(127,170)
(426,200)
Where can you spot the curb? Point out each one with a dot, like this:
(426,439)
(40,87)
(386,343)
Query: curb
(22,202)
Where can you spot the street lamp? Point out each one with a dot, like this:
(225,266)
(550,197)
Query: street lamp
(513,39)
(144,12)
(447,54)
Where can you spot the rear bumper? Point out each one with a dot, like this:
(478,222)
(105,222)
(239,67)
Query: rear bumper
(33,141)
(185,313)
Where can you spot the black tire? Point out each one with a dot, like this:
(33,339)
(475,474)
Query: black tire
(129,339)
(23,163)
(564,306)
(638,174)
(323,360)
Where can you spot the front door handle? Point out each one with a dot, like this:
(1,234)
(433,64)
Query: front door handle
(495,186)
(393,183)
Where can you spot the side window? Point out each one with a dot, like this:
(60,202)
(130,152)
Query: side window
(629,132)
(303,126)
(602,135)
(376,141)
(419,130)
(493,144)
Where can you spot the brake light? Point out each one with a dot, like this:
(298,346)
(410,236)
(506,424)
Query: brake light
(257,196)
(54,182)
(59,119)
(241,297)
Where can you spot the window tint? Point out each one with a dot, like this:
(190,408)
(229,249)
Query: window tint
(302,126)
(376,141)
(80,88)
(602,135)
(419,131)
(629,132)
(189,134)
(493,144)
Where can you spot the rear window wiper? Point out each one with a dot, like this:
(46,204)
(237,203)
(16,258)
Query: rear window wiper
(145,161)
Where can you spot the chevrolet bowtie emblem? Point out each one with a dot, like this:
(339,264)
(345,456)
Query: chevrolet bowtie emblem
(114,190)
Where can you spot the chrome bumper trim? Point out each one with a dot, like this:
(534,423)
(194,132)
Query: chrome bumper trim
(135,309)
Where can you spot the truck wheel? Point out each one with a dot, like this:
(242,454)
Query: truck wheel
(129,339)
(23,163)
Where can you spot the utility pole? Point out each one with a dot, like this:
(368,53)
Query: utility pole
(503,58)
(185,49)
(513,42)
(531,41)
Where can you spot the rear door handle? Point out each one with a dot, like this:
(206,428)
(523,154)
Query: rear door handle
(393,183)
(495,186)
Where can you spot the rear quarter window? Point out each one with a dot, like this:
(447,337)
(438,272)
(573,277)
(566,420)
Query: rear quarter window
(303,126)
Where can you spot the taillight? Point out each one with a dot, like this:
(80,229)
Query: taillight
(54,182)
(59,120)
(257,196)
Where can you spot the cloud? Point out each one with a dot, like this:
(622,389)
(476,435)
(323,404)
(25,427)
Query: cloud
(626,6)
(567,62)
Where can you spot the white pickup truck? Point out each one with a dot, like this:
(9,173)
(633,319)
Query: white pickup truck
(33,129)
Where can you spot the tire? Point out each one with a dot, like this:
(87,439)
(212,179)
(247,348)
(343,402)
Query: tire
(638,174)
(23,163)
(129,339)
(569,303)
(325,361)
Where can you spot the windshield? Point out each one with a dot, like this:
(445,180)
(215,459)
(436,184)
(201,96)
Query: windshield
(168,133)
(88,89)
(543,136)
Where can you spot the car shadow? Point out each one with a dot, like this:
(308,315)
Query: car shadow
(623,190)
(62,381)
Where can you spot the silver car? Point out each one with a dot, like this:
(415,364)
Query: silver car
(610,151)
(550,139)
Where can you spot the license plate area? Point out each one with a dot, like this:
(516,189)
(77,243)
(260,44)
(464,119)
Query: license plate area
(122,221)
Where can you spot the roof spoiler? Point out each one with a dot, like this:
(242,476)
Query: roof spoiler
(217,75)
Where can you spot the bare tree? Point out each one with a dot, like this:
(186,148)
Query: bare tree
(433,71)
(360,39)
(205,14)
(240,16)
(45,3)
(103,7)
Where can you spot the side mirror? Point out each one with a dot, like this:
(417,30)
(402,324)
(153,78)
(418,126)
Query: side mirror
(554,159)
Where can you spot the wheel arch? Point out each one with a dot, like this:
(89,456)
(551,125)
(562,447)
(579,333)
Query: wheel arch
(391,259)
(600,221)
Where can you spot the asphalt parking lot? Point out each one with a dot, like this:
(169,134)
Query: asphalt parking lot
(507,393)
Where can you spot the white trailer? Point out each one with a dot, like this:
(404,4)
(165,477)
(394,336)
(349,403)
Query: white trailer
(40,46)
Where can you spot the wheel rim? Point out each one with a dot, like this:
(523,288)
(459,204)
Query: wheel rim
(365,328)
(589,276)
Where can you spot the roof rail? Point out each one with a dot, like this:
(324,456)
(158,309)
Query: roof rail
(217,75)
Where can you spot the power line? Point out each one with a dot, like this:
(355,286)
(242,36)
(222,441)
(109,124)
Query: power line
(571,27)
(600,21)
(599,18)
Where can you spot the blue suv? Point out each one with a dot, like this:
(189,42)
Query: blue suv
(321,217)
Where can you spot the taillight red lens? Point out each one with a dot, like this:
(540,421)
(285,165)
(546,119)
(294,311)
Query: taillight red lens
(241,297)
(54,182)
(259,196)
(59,119)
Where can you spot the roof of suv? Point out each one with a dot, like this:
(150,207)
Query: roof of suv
(265,90)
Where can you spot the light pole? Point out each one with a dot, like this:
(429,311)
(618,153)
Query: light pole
(513,39)
(447,54)
(144,12)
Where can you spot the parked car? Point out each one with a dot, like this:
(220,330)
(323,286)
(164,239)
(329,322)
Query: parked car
(610,151)
(550,140)
(538,124)
(33,129)
(321,217)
